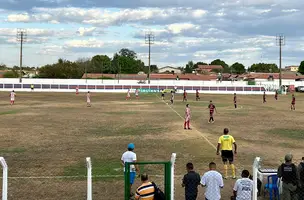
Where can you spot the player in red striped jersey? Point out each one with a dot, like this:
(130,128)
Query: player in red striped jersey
(185,96)
(128,97)
(293,103)
(197,95)
(234,100)
(211,112)
(264,97)
(276,95)
(187,117)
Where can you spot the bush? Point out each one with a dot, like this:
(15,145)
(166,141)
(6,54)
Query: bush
(10,74)
(105,77)
(251,82)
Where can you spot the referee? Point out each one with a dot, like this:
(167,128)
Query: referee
(225,143)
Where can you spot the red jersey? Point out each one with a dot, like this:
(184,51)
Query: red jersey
(185,94)
(187,112)
(293,100)
(234,99)
(211,108)
(197,93)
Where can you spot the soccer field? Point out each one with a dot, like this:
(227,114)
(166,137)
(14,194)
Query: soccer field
(45,138)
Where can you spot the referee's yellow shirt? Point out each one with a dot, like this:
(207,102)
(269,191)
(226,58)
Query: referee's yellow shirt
(226,142)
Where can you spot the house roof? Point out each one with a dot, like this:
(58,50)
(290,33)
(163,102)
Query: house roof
(121,76)
(169,68)
(274,75)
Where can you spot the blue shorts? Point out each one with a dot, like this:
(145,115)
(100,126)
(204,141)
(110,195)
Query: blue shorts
(132,177)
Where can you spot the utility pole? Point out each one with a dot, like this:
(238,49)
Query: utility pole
(149,38)
(85,71)
(280,41)
(21,37)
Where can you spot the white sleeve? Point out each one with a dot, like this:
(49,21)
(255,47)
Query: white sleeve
(122,157)
(221,182)
(134,157)
(203,180)
(235,186)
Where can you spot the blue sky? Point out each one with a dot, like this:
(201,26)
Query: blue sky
(199,30)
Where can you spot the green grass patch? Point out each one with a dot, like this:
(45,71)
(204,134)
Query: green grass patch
(10,112)
(12,150)
(121,113)
(288,133)
(138,129)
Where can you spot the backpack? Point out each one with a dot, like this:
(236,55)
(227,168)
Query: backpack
(302,172)
(158,194)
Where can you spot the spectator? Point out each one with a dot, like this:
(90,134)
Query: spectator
(226,143)
(191,181)
(290,178)
(130,156)
(243,187)
(301,173)
(213,181)
(146,190)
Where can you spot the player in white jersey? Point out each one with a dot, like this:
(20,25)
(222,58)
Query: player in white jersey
(12,95)
(137,94)
(88,99)
(77,90)
(128,97)
(172,98)
(187,117)
(243,187)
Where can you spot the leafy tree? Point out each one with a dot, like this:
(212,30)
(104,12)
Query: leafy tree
(61,69)
(11,74)
(238,68)
(126,62)
(127,53)
(301,68)
(225,66)
(189,67)
(101,64)
(264,68)
(3,66)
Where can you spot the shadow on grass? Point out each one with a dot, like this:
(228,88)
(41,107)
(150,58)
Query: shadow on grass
(12,150)
(10,112)
(288,133)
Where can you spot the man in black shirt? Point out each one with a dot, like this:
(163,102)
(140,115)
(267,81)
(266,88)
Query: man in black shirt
(301,173)
(191,181)
(290,178)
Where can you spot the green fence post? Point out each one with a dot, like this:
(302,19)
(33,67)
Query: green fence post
(168,180)
(127,181)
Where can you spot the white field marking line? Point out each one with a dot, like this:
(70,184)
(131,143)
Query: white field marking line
(192,126)
(67,177)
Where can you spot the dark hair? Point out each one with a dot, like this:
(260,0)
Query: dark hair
(187,105)
(190,166)
(144,177)
(212,165)
(302,158)
(245,173)
(226,130)
(129,149)
(210,101)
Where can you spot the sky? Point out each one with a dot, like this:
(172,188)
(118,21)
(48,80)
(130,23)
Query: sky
(199,30)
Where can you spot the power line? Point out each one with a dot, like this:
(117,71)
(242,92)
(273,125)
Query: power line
(280,41)
(21,36)
(149,38)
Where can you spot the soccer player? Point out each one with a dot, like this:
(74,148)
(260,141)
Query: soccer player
(187,118)
(276,95)
(128,95)
(264,97)
(172,97)
(197,95)
(136,94)
(234,100)
(88,99)
(163,94)
(12,95)
(77,90)
(293,103)
(225,143)
(243,187)
(185,96)
(32,88)
(211,112)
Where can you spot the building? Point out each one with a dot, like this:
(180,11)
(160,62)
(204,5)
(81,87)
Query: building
(171,70)
(292,68)
(208,68)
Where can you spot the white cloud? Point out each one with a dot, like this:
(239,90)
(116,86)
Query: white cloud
(290,10)
(90,43)
(179,27)
(86,31)
(18,18)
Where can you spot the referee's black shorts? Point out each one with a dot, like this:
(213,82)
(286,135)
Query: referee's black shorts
(227,156)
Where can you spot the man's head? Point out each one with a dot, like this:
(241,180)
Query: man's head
(288,157)
(187,105)
(144,177)
(189,166)
(13,91)
(212,166)
(131,147)
(210,101)
(88,91)
(234,94)
(226,131)
(245,174)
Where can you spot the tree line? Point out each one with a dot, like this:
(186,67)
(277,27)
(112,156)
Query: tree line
(126,62)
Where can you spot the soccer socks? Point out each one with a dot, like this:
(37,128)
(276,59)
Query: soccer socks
(235,106)
(233,170)
(226,171)
(185,125)
(188,124)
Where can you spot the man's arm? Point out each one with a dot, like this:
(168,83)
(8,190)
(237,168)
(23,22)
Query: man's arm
(203,181)
(235,189)
(184,181)
(280,172)
(235,148)
(218,148)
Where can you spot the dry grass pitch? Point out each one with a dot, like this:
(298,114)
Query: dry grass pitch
(48,135)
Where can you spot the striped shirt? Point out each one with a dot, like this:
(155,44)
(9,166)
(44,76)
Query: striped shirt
(145,191)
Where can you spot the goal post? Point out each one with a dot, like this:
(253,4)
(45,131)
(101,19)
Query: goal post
(167,174)
(4,178)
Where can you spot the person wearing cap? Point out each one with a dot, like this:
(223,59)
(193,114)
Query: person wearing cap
(290,178)
(130,156)
(301,173)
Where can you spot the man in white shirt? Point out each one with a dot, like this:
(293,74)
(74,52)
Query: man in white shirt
(130,156)
(243,187)
(213,181)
